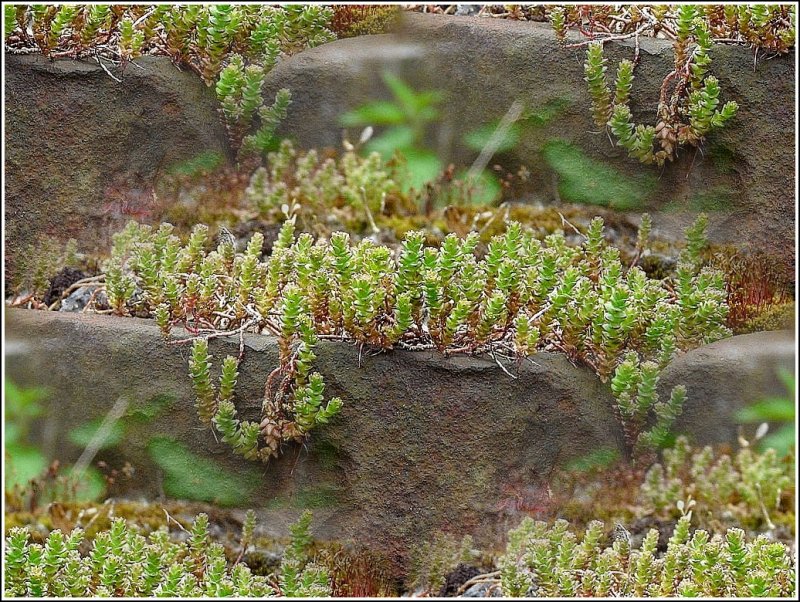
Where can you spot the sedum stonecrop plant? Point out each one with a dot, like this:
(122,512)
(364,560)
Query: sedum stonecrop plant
(747,487)
(552,561)
(239,92)
(523,296)
(689,105)
(35,267)
(434,559)
(361,189)
(321,183)
(123,563)
(200,37)
(120,562)
(232,47)
(770,28)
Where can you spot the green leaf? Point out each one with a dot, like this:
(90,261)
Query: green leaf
(596,460)
(192,477)
(402,92)
(543,116)
(413,104)
(152,408)
(396,138)
(83,434)
(23,463)
(90,485)
(22,403)
(485,187)
(586,180)
(771,409)
(201,164)
(781,441)
(429,98)
(13,433)
(421,166)
(427,114)
(478,138)
(379,112)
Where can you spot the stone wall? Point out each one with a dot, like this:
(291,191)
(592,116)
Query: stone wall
(423,443)
(84,152)
(744,175)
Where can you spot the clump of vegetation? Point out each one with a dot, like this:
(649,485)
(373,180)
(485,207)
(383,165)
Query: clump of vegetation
(759,292)
(319,184)
(689,106)
(230,46)
(204,189)
(29,478)
(351,20)
(525,295)
(747,488)
(300,576)
(39,262)
(769,28)
(357,574)
(198,37)
(777,317)
(404,123)
(433,560)
(122,563)
(752,488)
(239,92)
(776,409)
(364,193)
(552,561)
(405,120)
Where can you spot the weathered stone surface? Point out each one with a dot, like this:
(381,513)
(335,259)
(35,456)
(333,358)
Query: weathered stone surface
(744,176)
(423,443)
(83,152)
(727,375)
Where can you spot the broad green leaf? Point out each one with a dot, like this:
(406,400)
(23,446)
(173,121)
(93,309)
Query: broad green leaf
(421,166)
(427,114)
(417,106)
(155,406)
(545,114)
(379,112)
(582,179)
(771,409)
(198,165)
(781,441)
(402,93)
(12,432)
(189,476)
(596,460)
(428,98)
(397,138)
(22,402)
(478,138)
(23,463)
(485,187)
(83,434)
